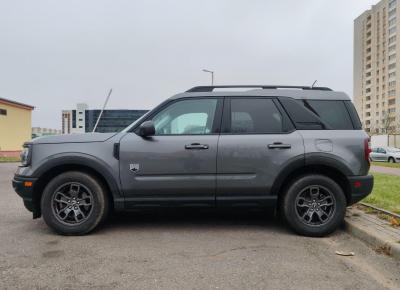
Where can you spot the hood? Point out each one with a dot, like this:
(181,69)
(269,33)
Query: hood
(73,138)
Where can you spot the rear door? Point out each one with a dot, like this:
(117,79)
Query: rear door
(256,143)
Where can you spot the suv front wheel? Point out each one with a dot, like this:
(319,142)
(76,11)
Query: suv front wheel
(74,203)
(314,205)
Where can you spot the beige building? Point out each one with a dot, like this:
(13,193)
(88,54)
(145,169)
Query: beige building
(39,132)
(15,127)
(376,75)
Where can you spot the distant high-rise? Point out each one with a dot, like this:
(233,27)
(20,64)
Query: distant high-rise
(82,119)
(376,79)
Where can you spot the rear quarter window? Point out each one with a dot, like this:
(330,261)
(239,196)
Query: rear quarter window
(334,113)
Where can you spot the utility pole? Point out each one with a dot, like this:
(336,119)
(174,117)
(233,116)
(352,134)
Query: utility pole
(101,113)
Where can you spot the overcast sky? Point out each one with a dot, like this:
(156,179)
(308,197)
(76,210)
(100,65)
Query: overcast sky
(54,54)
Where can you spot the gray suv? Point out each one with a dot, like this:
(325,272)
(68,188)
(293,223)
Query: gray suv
(300,150)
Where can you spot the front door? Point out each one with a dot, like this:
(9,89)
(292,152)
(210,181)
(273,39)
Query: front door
(177,166)
(256,143)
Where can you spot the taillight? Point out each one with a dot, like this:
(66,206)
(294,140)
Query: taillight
(367,148)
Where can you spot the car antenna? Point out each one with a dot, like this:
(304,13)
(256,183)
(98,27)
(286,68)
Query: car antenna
(101,112)
(313,83)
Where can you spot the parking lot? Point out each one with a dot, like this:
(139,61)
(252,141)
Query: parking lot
(201,250)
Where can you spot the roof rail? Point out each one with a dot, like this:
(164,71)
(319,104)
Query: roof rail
(264,87)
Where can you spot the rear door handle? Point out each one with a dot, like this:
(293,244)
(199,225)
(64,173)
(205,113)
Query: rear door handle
(279,145)
(196,146)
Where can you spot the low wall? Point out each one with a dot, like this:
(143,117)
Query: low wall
(385,141)
(10,153)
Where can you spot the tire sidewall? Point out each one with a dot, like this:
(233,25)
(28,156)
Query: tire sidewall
(289,206)
(98,210)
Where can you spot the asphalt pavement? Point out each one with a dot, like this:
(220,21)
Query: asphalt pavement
(181,250)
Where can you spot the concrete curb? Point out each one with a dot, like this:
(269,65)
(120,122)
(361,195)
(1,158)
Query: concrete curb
(372,238)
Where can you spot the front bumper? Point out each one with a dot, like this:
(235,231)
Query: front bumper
(360,187)
(24,186)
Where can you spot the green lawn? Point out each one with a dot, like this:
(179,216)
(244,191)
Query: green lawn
(386,192)
(386,164)
(9,159)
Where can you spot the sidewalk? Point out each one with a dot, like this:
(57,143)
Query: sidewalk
(374,231)
(386,170)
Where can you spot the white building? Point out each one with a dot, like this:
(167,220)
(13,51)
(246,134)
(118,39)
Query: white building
(73,121)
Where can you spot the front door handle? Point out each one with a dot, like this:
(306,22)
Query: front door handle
(279,145)
(196,146)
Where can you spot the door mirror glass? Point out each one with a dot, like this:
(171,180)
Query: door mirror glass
(147,129)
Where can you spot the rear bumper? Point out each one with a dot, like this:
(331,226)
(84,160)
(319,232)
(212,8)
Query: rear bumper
(360,187)
(23,186)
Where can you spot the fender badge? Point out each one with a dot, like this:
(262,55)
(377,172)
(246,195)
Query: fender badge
(134,167)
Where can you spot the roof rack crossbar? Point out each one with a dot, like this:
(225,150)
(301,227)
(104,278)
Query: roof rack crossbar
(264,87)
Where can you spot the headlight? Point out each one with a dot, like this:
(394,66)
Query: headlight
(26,155)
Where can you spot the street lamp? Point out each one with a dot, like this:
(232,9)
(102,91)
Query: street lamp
(212,75)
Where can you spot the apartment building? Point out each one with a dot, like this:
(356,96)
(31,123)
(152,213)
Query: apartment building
(376,75)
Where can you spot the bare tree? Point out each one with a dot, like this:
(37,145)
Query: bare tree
(388,125)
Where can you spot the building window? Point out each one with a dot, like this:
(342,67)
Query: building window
(392,110)
(3,112)
(392,74)
(392,102)
(392,12)
(73,118)
(392,30)
(392,56)
(392,4)
(392,21)
(392,66)
(392,93)
(392,84)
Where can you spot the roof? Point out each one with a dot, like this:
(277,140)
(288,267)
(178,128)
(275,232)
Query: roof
(316,94)
(16,104)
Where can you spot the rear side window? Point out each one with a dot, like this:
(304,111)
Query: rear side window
(255,116)
(333,113)
(353,114)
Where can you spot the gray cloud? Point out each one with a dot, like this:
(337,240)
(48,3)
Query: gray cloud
(54,54)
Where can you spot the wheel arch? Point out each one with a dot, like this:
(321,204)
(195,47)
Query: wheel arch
(330,169)
(56,165)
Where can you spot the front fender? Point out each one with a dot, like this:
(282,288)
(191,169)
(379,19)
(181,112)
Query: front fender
(85,160)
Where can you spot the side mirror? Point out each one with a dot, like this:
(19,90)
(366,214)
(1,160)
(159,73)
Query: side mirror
(147,129)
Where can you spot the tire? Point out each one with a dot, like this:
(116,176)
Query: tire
(391,160)
(74,203)
(296,204)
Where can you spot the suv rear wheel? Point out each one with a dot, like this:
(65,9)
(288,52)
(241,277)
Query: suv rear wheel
(74,203)
(314,205)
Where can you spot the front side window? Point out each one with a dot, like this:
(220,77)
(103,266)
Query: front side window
(187,117)
(254,116)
